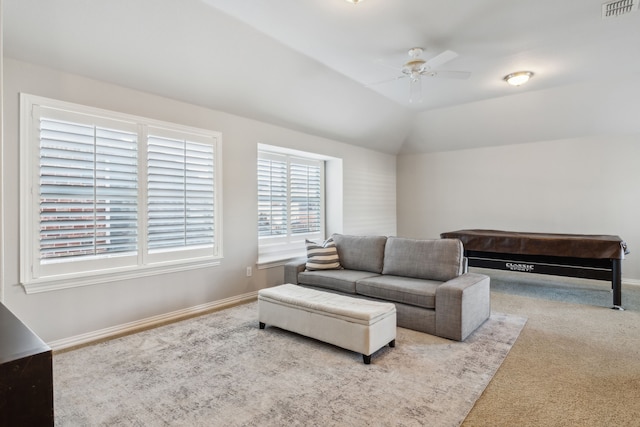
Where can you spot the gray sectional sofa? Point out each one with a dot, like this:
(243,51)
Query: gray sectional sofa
(426,279)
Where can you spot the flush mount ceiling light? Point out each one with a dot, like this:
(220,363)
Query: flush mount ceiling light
(518,78)
(354,1)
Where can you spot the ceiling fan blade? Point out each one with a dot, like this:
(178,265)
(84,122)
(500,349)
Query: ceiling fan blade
(442,58)
(385,81)
(384,64)
(443,74)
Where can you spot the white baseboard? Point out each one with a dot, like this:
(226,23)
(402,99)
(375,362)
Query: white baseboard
(137,325)
(633,282)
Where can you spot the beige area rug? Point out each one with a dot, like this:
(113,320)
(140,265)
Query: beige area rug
(220,369)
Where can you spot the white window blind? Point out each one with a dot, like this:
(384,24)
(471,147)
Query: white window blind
(306,197)
(290,203)
(181,193)
(272,196)
(107,195)
(88,191)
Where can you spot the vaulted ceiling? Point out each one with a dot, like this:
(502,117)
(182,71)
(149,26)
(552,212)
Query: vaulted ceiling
(326,67)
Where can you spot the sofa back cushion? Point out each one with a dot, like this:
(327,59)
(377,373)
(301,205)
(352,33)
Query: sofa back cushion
(439,259)
(365,253)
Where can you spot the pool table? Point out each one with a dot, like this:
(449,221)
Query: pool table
(572,255)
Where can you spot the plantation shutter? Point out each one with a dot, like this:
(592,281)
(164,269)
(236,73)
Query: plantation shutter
(272,195)
(305,178)
(88,190)
(180,199)
(290,196)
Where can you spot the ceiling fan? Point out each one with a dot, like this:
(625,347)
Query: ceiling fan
(416,68)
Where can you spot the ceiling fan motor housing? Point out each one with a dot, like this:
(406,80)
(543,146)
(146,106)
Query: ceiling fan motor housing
(414,66)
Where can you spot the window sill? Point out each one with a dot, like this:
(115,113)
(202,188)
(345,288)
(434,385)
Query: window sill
(265,262)
(58,283)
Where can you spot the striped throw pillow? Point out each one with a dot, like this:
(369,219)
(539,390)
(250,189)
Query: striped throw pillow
(322,256)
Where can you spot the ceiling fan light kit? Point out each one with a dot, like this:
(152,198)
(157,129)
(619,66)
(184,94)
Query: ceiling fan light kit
(414,69)
(518,78)
(415,90)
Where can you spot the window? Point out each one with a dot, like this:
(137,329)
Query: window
(290,203)
(107,195)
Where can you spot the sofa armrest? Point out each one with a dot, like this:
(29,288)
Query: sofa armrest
(462,305)
(292,268)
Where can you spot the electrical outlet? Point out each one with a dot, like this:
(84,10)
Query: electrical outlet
(249,271)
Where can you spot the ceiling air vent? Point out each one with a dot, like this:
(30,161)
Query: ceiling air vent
(619,7)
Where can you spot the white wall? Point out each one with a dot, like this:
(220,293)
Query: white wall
(366,201)
(588,184)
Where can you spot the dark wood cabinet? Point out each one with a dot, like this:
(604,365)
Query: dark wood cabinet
(26,377)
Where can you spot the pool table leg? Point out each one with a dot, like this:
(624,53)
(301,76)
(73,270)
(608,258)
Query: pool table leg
(616,283)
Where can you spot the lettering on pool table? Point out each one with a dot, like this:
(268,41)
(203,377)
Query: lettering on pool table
(528,268)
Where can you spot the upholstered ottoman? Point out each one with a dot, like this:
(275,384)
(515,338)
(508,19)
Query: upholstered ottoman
(355,324)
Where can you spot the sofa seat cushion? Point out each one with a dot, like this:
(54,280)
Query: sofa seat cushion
(406,290)
(335,280)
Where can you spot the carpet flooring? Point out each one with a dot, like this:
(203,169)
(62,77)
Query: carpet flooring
(576,362)
(220,369)
(595,293)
